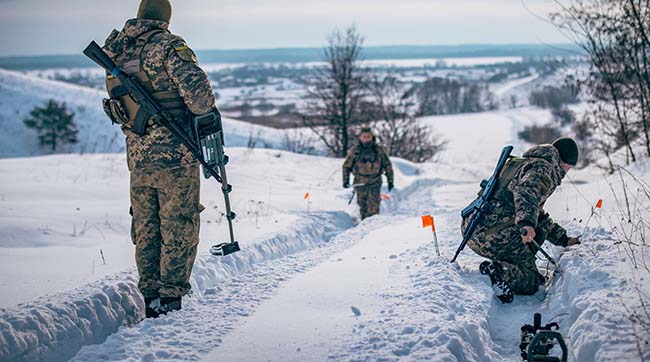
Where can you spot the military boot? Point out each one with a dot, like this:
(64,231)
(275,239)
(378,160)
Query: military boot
(500,286)
(169,304)
(151,306)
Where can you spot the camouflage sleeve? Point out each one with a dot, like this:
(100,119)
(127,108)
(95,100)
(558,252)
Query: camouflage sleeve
(553,231)
(111,37)
(348,165)
(530,187)
(192,82)
(387,166)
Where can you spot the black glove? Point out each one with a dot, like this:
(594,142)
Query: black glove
(346,185)
(390,186)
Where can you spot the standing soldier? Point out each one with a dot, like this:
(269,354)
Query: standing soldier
(367,161)
(524,185)
(165,177)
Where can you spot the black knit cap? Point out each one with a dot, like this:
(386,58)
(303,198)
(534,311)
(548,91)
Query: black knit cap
(568,150)
(160,10)
(366,129)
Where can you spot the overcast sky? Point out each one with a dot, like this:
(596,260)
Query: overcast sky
(65,26)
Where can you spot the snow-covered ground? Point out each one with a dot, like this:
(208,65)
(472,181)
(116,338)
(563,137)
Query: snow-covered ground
(310,283)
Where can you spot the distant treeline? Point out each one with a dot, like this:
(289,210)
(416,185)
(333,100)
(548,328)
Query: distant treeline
(301,55)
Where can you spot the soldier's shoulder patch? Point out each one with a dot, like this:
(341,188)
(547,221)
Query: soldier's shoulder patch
(184,52)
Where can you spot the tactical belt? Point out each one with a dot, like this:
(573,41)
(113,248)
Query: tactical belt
(500,227)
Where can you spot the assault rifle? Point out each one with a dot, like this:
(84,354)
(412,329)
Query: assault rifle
(162,117)
(481,205)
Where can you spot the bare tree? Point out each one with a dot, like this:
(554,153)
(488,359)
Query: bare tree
(297,142)
(335,97)
(615,35)
(396,126)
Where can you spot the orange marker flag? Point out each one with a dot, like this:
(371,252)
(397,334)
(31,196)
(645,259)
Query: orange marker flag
(306,195)
(427,220)
(599,204)
(385,196)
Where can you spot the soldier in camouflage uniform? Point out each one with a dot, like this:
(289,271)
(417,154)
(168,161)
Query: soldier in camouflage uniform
(165,177)
(524,185)
(367,161)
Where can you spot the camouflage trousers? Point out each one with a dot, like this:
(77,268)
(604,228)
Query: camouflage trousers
(503,244)
(165,228)
(369,200)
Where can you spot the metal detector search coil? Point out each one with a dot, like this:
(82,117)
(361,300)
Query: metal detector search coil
(537,341)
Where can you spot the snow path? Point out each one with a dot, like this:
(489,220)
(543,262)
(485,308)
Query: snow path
(419,307)
(315,315)
(314,312)
(208,317)
(54,328)
(220,303)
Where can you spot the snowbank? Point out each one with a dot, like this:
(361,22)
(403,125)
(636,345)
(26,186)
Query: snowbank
(55,328)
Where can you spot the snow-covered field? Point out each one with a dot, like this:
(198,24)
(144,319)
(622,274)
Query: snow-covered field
(311,284)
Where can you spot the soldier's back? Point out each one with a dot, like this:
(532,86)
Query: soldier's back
(143,49)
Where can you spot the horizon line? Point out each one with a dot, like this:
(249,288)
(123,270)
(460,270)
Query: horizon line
(457,45)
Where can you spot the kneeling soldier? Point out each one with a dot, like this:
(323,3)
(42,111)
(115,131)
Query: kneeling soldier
(524,185)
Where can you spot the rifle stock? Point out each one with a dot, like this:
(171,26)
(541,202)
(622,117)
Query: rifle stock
(95,53)
(479,206)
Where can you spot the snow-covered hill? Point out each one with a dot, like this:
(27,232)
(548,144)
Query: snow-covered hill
(310,283)
(19,94)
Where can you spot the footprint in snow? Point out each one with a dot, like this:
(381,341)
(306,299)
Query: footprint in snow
(356,311)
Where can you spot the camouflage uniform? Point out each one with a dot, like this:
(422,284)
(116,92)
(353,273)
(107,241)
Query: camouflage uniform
(165,178)
(367,163)
(524,186)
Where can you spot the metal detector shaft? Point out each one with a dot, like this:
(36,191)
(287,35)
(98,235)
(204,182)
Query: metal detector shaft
(354,191)
(524,232)
(225,187)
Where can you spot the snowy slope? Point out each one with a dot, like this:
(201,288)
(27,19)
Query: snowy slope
(19,94)
(316,287)
(62,212)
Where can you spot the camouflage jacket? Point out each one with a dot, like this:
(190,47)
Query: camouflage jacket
(367,163)
(521,202)
(170,65)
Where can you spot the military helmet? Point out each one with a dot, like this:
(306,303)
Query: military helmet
(160,10)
